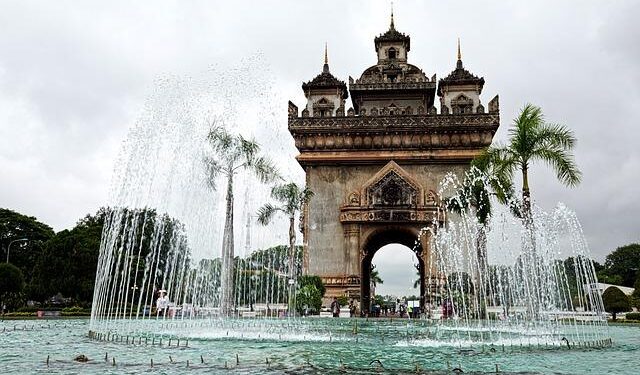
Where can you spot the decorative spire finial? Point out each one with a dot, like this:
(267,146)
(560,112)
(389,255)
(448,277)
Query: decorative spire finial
(325,68)
(459,63)
(392,26)
(326,56)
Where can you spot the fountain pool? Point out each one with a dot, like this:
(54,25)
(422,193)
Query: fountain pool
(399,345)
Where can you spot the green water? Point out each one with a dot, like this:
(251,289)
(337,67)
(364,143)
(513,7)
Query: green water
(26,344)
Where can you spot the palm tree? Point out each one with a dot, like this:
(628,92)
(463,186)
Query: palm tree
(416,282)
(482,181)
(232,153)
(533,139)
(375,277)
(292,200)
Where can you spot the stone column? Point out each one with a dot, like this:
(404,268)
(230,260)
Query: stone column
(352,249)
(430,281)
(428,256)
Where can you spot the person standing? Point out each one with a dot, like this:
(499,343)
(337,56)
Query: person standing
(162,303)
(335,308)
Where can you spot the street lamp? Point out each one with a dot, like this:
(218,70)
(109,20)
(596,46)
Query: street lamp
(10,243)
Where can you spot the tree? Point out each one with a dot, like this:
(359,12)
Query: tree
(482,181)
(231,154)
(310,293)
(312,280)
(501,291)
(416,282)
(11,285)
(14,226)
(623,262)
(292,200)
(636,287)
(68,261)
(532,139)
(461,281)
(308,297)
(615,301)
(67,264)
(375,277)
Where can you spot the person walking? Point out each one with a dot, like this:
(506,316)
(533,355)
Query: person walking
(335,308)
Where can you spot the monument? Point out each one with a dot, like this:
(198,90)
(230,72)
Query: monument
(375,167)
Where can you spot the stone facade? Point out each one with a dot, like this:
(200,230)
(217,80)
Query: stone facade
(375,169)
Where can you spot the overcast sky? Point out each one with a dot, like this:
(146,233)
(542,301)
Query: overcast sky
(74,77)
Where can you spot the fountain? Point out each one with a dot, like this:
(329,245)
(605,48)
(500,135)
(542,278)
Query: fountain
(160,273)
(502,282)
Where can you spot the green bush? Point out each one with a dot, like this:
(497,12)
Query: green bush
(308,297)
(343,300)
(633,316)
(29,309)
(20,314)
(75,311)
(312,280)
(615,301)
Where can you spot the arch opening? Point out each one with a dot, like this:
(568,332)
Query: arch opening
(403,243)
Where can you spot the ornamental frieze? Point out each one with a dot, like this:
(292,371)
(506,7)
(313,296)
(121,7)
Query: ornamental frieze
(398,122)
(393,140)
(341,280)
(368,215)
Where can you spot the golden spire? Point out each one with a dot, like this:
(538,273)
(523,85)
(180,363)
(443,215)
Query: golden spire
(392,27)
(326,56)
(459,53)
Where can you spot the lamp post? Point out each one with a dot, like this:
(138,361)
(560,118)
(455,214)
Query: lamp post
(10,243)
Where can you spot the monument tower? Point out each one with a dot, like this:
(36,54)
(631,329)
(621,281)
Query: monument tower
(375,168)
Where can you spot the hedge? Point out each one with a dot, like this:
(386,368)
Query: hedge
(633,316)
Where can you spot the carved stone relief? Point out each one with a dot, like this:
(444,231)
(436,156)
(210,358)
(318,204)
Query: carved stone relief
(392,190)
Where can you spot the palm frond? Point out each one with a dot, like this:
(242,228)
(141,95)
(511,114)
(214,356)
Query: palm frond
(213,170)
(515,206)
(563,164)
(555,135)
(525,127)
(482,202)
(220,139)
(249,148)
(457,203)
(286,192)
(504,160)
(499,165)
(266,212)
(306,195)
(264,169)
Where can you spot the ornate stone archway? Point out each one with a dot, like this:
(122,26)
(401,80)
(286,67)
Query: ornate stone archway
(374,167)
(390,207)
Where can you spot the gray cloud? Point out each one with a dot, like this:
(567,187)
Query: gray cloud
(74,76)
